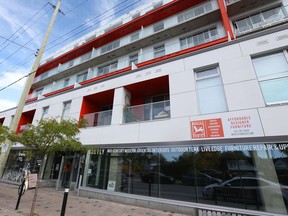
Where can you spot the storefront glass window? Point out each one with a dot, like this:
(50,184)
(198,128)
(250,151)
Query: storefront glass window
(240,176)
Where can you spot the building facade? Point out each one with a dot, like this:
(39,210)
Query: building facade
(186,102)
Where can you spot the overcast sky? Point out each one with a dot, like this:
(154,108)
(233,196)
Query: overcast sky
(23,24)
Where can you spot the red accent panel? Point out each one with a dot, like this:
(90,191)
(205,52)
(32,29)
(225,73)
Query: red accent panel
(142,64)
(149,18)
(1,121)
(58,91)
(225,18)
(26,118)
(31,100)
(192,49)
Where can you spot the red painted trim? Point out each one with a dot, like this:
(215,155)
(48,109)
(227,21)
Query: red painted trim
(58,91)
(149,18)
(225,18)
(142,64)
(179,53)
(31,100)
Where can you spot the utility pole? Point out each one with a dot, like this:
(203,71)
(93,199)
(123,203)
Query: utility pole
(15,121)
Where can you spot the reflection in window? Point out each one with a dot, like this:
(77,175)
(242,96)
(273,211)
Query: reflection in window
(272,73)
(221,175)
(210,91)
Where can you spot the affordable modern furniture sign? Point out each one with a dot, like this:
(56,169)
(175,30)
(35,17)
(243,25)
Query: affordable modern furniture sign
(231,125)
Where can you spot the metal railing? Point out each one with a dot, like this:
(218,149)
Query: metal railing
(147,112)
(98,118)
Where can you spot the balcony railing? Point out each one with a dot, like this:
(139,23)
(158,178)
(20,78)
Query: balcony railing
(147,112)
(98,118)
(193,13)
(261,20)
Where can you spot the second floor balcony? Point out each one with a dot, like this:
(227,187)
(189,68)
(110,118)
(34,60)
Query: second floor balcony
(147,112)
(98,118)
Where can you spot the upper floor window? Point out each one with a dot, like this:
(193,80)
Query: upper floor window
(135,36)
(110,46)
(196,11)
(107,68)
(272,73)
(260,20)
(158,26)
(39,92)
(45,112)
(66,110)
(200,38)
(66,82)
(82,77)
(210,91)
(159,51)
(133,59)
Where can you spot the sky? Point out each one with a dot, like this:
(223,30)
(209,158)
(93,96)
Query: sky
(23,24)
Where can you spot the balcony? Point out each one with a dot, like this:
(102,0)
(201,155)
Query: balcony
(147,112)
(261,20)
(98,118)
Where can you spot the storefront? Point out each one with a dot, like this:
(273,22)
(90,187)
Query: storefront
(246,176)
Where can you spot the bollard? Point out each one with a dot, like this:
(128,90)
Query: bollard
(64,201)
(20,193)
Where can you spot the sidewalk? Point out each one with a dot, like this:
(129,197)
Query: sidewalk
(49,203)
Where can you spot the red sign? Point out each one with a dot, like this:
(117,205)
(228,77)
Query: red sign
(209,128)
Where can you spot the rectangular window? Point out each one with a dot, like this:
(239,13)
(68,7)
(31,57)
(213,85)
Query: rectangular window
(133,59)
(45,112)
(210,91)
(82,77)
(135,36)
(262,19)
(39,92)
(110,46)
(272,73)
(66,82)
(66,110)
(159,51)
(158,26)
(107,68)
(198,39)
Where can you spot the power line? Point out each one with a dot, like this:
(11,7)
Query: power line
(76,33)
(22,27)
(7,39)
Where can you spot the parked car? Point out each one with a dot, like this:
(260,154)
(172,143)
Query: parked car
(232,187)
(155,177)
(200,179)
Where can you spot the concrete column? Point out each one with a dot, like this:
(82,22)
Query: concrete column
(121,99)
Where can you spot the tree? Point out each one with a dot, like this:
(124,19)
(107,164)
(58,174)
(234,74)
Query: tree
(47,137)
(4,131)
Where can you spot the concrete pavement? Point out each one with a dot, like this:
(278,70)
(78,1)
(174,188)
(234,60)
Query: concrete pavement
(49,203)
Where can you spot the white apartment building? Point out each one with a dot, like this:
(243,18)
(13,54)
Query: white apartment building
(186,101)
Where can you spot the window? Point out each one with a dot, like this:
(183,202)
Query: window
(107,68)
(82,77)
(86,56)
(45,112)
(159,51)
(133,59)
(260,19)
(66,110)
(135,36)
(197,39)
(158,26)
(66,82)
(272,73)
(39,92)
(110,46)
(210,91)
